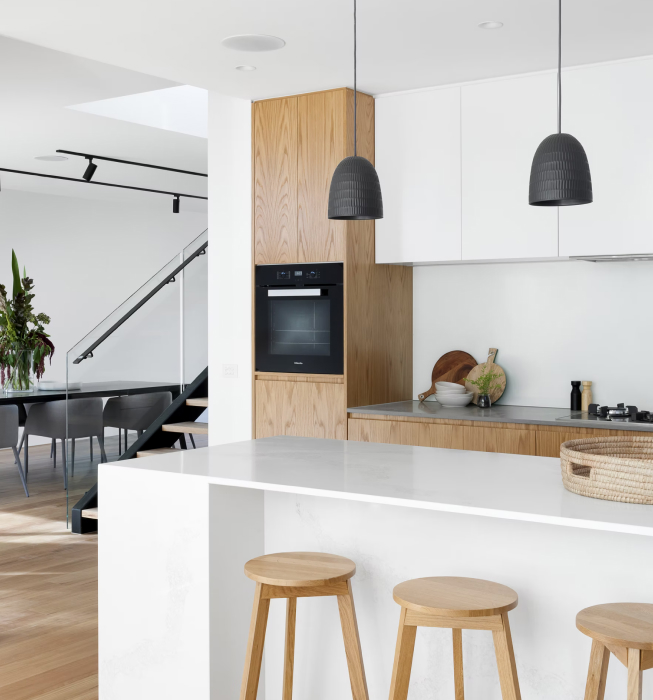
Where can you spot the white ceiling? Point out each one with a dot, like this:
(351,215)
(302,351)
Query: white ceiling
(403,44)
(37,86)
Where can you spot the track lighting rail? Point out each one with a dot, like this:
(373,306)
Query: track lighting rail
(92,156)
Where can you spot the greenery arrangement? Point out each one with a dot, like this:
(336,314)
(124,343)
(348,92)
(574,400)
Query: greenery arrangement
(24,344)
(487,381)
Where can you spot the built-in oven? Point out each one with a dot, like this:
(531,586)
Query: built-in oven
(299,318)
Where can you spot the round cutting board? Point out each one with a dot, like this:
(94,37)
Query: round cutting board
(453,367)
(499,384)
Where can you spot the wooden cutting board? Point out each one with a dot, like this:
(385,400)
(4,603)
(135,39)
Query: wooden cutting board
(453,367)
(500,384)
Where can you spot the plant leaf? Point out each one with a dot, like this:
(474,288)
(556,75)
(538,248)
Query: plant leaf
(18,288)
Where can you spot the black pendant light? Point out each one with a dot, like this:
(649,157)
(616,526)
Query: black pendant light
(355,191)
(560,174)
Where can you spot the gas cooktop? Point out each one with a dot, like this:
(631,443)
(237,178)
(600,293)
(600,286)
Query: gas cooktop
(614,414)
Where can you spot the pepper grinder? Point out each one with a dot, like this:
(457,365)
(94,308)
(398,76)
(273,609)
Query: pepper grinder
(576,400)
(587,396)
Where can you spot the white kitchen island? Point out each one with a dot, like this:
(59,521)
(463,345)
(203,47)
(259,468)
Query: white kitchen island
(176,530)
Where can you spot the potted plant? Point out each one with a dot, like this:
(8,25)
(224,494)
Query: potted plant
(24,344)
(485,384)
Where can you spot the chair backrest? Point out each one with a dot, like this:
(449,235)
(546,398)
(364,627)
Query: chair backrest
(49,419)
(8,426)
(136,412)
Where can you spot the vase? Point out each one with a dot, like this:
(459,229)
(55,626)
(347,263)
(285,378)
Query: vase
(18,371)
(484,401)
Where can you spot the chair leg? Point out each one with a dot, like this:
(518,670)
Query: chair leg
(289,654)
(352,645)
(51,448)
(255,642)
(506,661)
(192,440)
(634,675)
(72,459)
(126,439)
(103,454)
(20,444)
(20,470)
(458,674)
(182,442)
(26,452)
(64,457)
(403,659)
(54,453)
(598,671)
(90,447)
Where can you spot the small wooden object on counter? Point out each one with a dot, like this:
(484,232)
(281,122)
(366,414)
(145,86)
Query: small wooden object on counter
(500,384)
(586,396)
(457,604)
(452,367)
(293,575)
(611,468)
(624,629)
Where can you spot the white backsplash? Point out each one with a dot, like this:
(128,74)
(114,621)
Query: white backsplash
(552,323)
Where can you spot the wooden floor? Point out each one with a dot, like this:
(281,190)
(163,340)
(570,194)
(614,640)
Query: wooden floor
(48,581)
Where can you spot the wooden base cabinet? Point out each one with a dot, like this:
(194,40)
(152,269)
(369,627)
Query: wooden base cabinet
(509,438)
(300,408)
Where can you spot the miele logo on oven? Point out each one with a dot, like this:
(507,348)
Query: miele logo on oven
(299,363)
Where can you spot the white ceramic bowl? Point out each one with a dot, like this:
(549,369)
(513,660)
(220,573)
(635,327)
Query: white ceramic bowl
(456,400)
(449,386)
(450,391)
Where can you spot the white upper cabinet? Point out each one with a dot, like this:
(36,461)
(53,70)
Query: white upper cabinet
(609,109)
(503,123)
(418,161)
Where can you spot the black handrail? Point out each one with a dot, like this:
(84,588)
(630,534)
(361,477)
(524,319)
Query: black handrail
(89,351)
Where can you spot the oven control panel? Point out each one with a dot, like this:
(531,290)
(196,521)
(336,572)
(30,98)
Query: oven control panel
(299,274)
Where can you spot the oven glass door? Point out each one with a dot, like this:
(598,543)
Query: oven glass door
(299,330)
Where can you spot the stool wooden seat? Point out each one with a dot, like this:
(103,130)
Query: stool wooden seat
(624,629)
(455,603)
(293,575)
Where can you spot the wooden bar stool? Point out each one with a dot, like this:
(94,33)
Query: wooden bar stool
(458,604)
(626,630)
(293,575)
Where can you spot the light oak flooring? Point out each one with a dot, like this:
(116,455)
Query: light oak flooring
(48,581)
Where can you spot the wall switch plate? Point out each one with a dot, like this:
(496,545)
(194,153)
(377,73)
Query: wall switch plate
(230,371)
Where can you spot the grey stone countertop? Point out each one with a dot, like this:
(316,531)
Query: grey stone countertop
(499,413)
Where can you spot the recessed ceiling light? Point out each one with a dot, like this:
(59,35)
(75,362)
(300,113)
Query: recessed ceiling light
(492,24)
(246,68)
(53,159)
(253,42)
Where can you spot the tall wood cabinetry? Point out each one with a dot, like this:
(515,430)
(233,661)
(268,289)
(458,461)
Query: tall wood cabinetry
(297,143)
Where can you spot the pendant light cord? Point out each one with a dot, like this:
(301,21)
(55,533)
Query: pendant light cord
(559,66)
(355,78)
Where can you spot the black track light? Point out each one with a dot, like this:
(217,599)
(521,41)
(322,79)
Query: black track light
(90,170)
(175,204)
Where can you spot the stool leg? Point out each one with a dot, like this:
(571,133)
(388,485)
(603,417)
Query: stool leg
(254,655)
(598,671)
(403,659)
(352,645)
(289,656)
(506,661)
(634,674)
(458,675)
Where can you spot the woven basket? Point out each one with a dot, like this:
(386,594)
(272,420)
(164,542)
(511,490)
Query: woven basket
(611,468)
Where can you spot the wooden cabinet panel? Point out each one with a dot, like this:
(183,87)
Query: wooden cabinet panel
(275,183)
(307,409)
(406,433)
(511,441)
(322,141)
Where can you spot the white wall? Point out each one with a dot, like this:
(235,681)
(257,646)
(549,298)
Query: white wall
(230,268)
(552,323)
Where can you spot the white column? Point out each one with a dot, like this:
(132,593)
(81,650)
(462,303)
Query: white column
(230,268)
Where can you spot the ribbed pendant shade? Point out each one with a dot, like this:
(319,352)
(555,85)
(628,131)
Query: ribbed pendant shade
(355,191)
(560,174)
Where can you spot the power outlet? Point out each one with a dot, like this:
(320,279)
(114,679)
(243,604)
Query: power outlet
(230,371)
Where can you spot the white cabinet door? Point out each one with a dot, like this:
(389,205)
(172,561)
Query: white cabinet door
(609,109)
(503,123)
(418,162)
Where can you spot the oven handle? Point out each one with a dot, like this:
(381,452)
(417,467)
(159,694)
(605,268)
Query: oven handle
(300,292)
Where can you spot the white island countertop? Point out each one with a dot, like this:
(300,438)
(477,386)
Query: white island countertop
(513,487)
